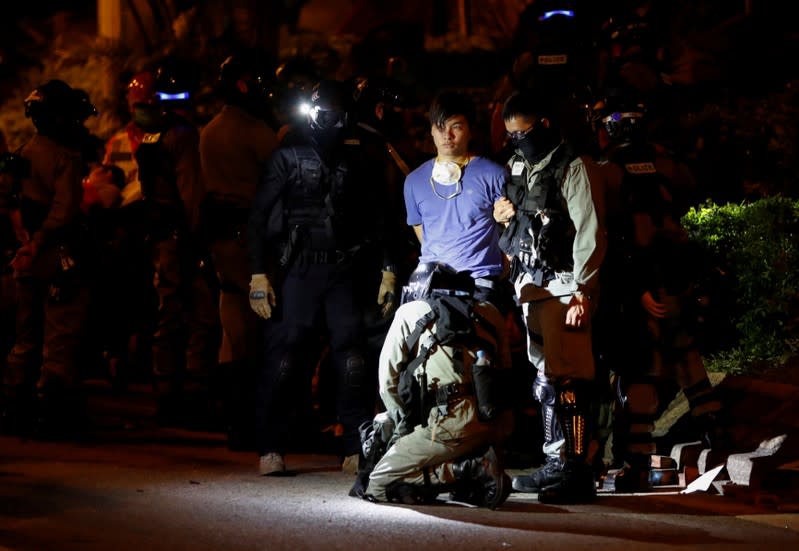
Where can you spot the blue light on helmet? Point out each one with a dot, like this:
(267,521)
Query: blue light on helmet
(549,14)
(163,96)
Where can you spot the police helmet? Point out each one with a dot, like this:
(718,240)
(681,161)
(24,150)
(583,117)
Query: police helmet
(623,119)
(629,37)
(329,105)
(369,91)
(436,278)
(174,83)
(85,107)
(53,103)
(249,68)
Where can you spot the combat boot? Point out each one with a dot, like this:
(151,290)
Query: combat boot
(548,474)
(481,481)
(576,486)
(552,471)
(577,483)
(632,477)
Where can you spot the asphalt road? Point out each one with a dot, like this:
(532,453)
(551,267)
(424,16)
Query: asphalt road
(136,487)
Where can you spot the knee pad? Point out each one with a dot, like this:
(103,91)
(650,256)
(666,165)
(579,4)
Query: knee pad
(543,391)
(354,370)
(639,396)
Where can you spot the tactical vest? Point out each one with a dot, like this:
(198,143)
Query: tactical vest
(317,205)
(547,247)
(158,177)
(648,230)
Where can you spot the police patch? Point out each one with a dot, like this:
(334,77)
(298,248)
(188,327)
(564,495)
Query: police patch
(640,168)
(517,168)
(151,138)
(557,59)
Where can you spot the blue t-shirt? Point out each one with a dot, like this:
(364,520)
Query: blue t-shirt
(460,231)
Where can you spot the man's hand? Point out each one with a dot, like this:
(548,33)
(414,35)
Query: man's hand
(262,296)
(578,311)
(504,211)
(23,260)
(387,294)
(653,308)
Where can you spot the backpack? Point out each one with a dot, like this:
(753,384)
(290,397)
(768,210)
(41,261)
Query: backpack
(455,321)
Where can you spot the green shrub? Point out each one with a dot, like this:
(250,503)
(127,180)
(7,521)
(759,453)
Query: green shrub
(756,246)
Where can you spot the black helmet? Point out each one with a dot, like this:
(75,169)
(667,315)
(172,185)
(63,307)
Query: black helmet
(52,105)
(630,37)
(330,104)
(622,118)
(250,69)
(431,278)
(175,83)
(85,107)
(369,91)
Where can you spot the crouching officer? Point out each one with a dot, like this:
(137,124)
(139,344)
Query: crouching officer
(435,381)
(314,220)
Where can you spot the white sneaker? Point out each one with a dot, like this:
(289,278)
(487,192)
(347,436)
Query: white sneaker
(350,464)
(271,463)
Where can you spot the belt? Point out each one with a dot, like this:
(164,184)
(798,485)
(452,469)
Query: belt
(325,257)
(450,392)
(485,282)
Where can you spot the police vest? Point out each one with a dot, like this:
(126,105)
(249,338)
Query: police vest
(541,236)
(319,206)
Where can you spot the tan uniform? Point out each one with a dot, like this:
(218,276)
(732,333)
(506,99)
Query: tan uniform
(48,324)
(234,147)
(453,430)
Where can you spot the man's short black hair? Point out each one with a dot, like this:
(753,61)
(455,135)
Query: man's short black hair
(528,105)
(449,103)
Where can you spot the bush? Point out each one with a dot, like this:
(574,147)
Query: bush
(756,246)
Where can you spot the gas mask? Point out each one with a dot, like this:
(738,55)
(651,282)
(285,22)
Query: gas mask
(148,117)
(537,144)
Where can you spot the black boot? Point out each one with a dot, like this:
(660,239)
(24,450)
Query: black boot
(61,412)
(632,477)
(17,411)
(169,401)
(239,406)
(410,494)
(577,483)
(552,471)
(481,481)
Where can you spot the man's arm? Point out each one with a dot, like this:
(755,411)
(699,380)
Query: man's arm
(266,223)
(585,205)
(419,232)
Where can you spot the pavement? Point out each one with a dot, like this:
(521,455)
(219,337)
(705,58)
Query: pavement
(132,485)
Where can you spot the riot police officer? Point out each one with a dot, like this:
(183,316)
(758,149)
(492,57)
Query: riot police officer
(315,218)
(41,380)
(234,148)
(651,284)
(185,339)
(554,234)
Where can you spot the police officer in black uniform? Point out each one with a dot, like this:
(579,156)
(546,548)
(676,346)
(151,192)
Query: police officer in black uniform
(186,339)
(380,105)
(316,216)
(647,329)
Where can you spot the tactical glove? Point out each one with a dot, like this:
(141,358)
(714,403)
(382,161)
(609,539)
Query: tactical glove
(386,295)
(262,296)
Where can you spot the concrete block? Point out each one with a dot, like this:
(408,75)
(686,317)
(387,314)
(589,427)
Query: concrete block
(708,459)
(686,453)
(742,467)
